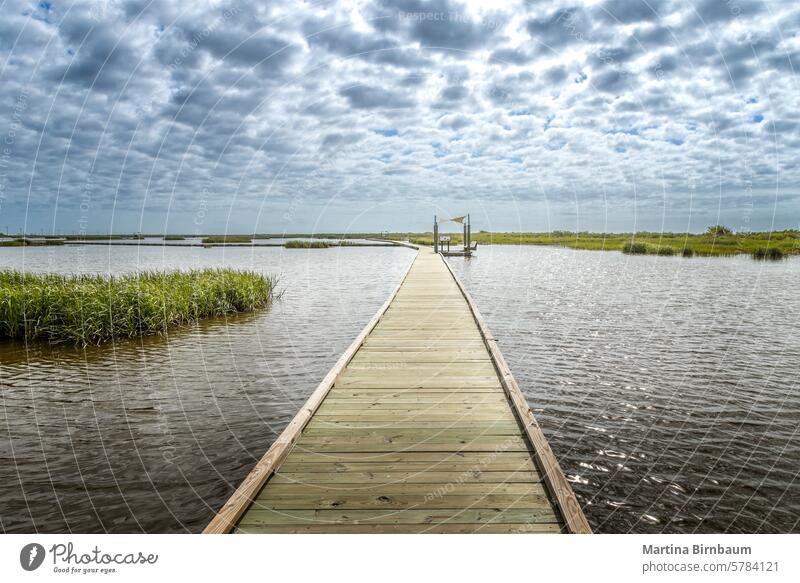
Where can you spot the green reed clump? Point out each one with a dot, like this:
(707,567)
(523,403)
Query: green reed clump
(227,239)
(634,248)
(640,248)
(767,253)
(306,245)
(90,309)
(687,251)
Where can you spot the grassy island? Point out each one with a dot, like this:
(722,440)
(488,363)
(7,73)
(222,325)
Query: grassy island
(27,241)
(215,239)
(306,245)
(89,309)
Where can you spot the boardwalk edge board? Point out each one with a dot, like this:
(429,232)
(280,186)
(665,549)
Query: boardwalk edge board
(248,490)
(574,519)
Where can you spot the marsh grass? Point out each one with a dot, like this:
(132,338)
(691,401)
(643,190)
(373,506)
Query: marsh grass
(306,245)
(87,237)
(211,239)
(768,253)
(634,248)
(24,242)
(639,248)
(91,309)
(718,243)
(174,238)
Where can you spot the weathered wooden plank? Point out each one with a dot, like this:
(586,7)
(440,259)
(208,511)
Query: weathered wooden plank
(413,377)
(394,401)
(421,395)
(415,424)
(362,478)
(460,409)
(400,457)
(427,445)
(349,499)
(421,356)
(377,383)
(408,398)
(424,445)
(435,489)
(393,417)
(366,369)
(498,389)
(410,366)
(457,410)
(386,438)
(391,344)
(407,425)
(376,402)
(485,528)
(418,431)
(490,465)
(406,516)
(426,338)
(444,315)
(390,421)
(409,347)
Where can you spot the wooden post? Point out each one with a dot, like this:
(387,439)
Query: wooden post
(435,235)
(469,237)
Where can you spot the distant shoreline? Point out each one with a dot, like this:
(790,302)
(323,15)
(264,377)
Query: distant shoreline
(775,244)
(770,245)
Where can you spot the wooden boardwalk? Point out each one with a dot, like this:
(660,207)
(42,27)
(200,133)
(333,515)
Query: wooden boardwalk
(420,427)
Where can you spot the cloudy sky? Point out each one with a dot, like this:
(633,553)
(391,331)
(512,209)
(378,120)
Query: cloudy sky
(318,116)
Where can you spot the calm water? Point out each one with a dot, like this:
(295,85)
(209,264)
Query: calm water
(667,386)
(155,435)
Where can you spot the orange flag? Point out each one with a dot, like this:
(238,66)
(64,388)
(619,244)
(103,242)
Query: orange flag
(459,219)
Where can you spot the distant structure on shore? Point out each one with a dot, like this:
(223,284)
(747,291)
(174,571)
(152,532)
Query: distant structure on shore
(442,241)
